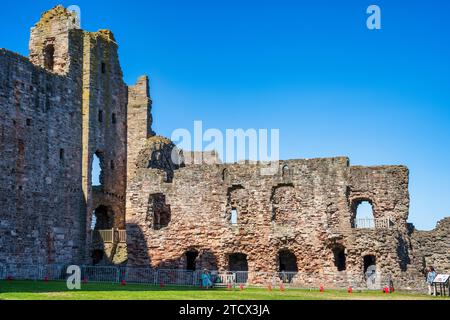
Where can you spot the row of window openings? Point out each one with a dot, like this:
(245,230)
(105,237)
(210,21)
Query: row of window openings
(96,168)
(100,119)
(286,259)
(49,59)
(364,209)
(162,219)
(285,173)
(28,122)
(113,117)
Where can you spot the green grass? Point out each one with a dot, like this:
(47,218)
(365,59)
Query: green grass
(39,290)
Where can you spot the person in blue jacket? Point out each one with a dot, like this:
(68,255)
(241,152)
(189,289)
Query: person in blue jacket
(206,279)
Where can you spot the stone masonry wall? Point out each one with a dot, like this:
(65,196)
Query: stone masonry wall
(432,248)
(61,106)
(41,199)
(305,209)
(139,121)
(104,126)
(68,102)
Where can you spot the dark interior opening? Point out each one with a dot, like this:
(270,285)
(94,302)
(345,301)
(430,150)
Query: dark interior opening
(238,262)
(49,57)
(191,260)
(287,261)
(340,258)
(102,219)
(160,210)
(97,256)
(369,260)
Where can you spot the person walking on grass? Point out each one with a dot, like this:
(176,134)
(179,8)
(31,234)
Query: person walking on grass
(431,275)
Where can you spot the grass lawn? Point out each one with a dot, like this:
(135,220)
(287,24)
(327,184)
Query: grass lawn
(39,290)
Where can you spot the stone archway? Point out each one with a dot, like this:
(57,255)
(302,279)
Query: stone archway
(363,213)
(287,265)
(191,259)
(238,264)
(287,261)
(103,218)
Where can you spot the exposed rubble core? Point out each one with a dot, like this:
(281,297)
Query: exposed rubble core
(68,102)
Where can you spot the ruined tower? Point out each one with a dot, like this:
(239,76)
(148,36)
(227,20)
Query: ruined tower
(43,205)
(63,106)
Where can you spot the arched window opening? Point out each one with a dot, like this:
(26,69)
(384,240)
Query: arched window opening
(287,265)
(97,170)
(340,258)
(191,260)
(113,118)
(237,262)
(103,67)
(363,215)
(49,57)
(284,202)
(285,171)
(94,222)
(237,205)
(100,116)
(225,175)
(287,261)
(102,219)
(369,263)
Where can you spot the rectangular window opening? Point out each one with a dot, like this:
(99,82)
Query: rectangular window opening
(234,216)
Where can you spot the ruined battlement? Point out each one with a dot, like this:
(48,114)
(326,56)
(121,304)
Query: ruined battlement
(58,13)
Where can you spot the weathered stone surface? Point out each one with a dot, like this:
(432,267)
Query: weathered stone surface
(307,210)
(68,102)
(61,106)
(433,247)
(40,141)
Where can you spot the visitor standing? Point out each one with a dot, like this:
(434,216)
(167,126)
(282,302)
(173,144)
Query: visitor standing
(431,275)
(206,279)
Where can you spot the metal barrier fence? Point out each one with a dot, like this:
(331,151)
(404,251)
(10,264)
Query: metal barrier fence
(132,275)
(383,223)
(2,272)
(100,274)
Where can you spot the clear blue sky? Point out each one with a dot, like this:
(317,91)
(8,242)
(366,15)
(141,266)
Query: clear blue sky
(310,68)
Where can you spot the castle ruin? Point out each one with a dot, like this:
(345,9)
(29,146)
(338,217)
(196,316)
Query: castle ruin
(67,103)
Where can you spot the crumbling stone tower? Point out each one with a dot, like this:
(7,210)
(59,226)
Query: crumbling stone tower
(63,105)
